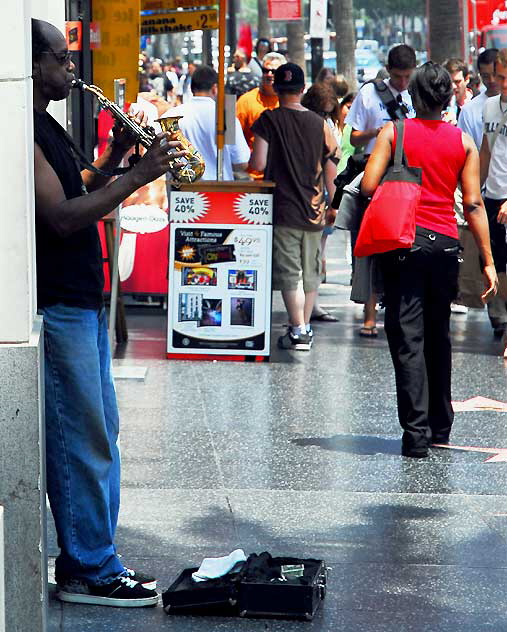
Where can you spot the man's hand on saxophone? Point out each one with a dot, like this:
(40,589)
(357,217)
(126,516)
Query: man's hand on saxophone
(157,160)
(123,136)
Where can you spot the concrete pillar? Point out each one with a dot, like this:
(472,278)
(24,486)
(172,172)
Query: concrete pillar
(22,472)
(22,483)
(2,572)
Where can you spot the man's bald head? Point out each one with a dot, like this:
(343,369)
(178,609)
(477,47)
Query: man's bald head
(52,65)
(45,37)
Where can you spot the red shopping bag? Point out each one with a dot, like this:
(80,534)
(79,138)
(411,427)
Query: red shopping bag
(389,220)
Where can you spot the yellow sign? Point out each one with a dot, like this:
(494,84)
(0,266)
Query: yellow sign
(118,53)
(156,5)
(178,21)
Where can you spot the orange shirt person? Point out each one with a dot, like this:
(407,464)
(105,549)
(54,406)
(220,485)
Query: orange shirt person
(253,103)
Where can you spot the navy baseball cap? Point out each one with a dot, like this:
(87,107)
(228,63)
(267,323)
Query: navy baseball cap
(289,77)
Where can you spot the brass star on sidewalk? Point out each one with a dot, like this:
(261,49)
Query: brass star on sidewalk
(499,454)
(479,403)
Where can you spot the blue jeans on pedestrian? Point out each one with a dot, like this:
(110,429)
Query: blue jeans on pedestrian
(82,456)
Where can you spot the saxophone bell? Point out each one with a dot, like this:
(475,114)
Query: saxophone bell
(190,167)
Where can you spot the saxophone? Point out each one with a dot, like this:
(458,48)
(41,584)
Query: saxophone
(184,169)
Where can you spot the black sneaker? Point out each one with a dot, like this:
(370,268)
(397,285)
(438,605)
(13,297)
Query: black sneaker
(299,342)
(124,592)
(499,330)
(147,581)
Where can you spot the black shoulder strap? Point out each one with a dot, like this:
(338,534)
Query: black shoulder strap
(86,164)
(395,110)
(383,91)
(81,157)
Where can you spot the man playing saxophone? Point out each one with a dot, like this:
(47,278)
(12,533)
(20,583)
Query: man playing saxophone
(83,467)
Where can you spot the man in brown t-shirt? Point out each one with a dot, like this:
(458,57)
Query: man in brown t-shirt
(296,149)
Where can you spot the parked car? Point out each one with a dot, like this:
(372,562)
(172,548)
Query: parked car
(367,65)
(365,44)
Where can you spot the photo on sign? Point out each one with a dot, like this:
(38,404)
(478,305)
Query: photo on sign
(189,307)
(221,253)
(242,280)
(242,311)
(211,313)
(199,276)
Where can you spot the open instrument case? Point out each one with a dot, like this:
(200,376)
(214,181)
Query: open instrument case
(255,588)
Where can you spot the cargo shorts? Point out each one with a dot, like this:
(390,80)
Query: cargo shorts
(296,256)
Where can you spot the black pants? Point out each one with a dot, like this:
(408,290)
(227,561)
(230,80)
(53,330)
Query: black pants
(497,306)
(496,234)
(420,285)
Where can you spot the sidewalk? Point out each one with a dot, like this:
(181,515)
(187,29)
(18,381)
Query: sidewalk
(300,456)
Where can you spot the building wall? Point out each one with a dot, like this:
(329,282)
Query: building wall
(22,447)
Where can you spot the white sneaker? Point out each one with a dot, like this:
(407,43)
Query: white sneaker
(459,309)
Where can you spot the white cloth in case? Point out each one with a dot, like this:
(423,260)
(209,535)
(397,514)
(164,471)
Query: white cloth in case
(214,567)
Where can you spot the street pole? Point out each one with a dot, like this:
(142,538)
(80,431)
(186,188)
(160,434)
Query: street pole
(231,27)
(207,57)
(318,30)
(119,97)
(222,10)
(317,61)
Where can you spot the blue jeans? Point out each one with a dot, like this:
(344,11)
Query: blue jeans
(82,456)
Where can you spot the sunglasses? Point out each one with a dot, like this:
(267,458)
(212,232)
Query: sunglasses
(266,71)
(62,58)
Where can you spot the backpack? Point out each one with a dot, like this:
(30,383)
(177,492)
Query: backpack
(356,164)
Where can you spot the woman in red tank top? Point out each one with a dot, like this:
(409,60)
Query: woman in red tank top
(420,283)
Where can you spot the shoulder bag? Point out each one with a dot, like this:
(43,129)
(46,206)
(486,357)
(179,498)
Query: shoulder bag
(389,220)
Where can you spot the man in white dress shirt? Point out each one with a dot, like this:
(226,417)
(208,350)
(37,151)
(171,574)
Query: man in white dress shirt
(470,119)
(199,126)
(368,114)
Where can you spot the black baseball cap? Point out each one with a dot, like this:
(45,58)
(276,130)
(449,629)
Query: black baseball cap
(289,77)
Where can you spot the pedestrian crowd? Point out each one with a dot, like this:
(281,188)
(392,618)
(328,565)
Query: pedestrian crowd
(304,139)
(309,139)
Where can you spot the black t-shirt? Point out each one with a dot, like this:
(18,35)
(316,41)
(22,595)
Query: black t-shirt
(300,142)
(69,269)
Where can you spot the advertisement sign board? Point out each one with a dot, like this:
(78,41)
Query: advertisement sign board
(284,9)
(179,21)
(318,18)
(219,300)
(159,5)
(117,55)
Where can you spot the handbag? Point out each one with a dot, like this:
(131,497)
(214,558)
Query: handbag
(352,206)
(355,165)
(389,220)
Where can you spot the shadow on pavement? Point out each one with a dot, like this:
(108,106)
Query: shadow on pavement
(353,444)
